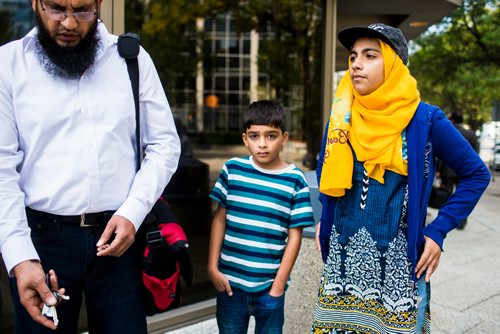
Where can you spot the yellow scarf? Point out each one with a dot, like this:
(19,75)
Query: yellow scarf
(373,128)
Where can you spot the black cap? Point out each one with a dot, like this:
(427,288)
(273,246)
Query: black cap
(392,36)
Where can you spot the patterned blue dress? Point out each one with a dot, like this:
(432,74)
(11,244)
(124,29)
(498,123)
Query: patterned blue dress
(367,284)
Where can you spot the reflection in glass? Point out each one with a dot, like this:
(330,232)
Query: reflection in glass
(234,46)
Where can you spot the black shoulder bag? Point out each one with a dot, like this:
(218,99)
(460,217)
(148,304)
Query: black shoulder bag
(166,253)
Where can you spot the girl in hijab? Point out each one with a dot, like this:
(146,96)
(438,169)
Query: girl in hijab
(375,175)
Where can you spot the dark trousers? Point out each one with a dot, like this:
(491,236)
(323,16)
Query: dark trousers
(111,285)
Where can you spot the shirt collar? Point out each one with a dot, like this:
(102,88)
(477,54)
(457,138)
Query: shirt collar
(29,40)
(105,38)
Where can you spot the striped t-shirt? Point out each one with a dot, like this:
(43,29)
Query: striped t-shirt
(261,205)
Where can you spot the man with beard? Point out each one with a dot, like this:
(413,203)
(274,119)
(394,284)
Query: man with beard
(71,198)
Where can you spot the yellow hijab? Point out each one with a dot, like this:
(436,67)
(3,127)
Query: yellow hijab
(372,124)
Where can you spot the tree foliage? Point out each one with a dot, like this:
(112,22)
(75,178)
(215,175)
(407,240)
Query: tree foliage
(6,33)
(167,29)
(457,63)
(292,55)
(289,50)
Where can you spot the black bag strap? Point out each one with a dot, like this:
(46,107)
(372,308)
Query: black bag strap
(128,48)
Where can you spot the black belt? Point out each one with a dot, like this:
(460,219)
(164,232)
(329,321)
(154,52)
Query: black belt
(83,220)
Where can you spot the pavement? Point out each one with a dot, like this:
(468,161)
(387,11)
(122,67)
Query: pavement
(465,290)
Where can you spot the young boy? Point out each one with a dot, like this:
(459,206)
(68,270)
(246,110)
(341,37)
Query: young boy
(257,229)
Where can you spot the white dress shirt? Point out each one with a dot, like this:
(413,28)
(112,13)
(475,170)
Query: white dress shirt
(67,147)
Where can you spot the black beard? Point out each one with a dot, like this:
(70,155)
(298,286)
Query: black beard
(66,62)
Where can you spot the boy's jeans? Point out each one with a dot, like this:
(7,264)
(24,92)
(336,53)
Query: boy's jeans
(233,313)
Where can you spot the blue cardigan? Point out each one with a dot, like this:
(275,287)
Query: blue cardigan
(429,135)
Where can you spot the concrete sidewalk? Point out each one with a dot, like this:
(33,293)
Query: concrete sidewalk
(465,289)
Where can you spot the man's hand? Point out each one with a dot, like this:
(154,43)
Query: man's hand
(120,232)
(429,260)
(33,290)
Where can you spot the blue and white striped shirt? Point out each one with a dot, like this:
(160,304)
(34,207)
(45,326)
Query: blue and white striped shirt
(261,205)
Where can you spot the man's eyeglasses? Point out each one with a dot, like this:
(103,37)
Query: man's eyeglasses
(58,15)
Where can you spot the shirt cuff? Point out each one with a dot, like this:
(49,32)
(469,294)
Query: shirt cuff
(134,211)
(16,250)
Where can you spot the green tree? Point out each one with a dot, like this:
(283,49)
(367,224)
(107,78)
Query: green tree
(289,51)
(168,32)
(6,34)
(167,29)
(292,55)
(457,63)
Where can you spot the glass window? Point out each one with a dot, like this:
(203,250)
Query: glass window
(207,47)
(246,64)
(245,99)
(225,58)
(232,28)
(234,46)
(234,83)
(220,121)
(226,77)
(221,46)
(222,99)
(234,62)
(246,46)
(180,83)
(235,120)
(220,62)
(234,99)
(182,98)
(246,83)
(191,83)
(208,24)
(220,83)
(221,24)
(207,82)
(16,19)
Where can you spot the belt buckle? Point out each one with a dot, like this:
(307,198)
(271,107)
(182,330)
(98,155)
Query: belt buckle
(82,222)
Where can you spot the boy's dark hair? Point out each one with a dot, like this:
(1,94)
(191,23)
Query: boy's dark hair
(265,112)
